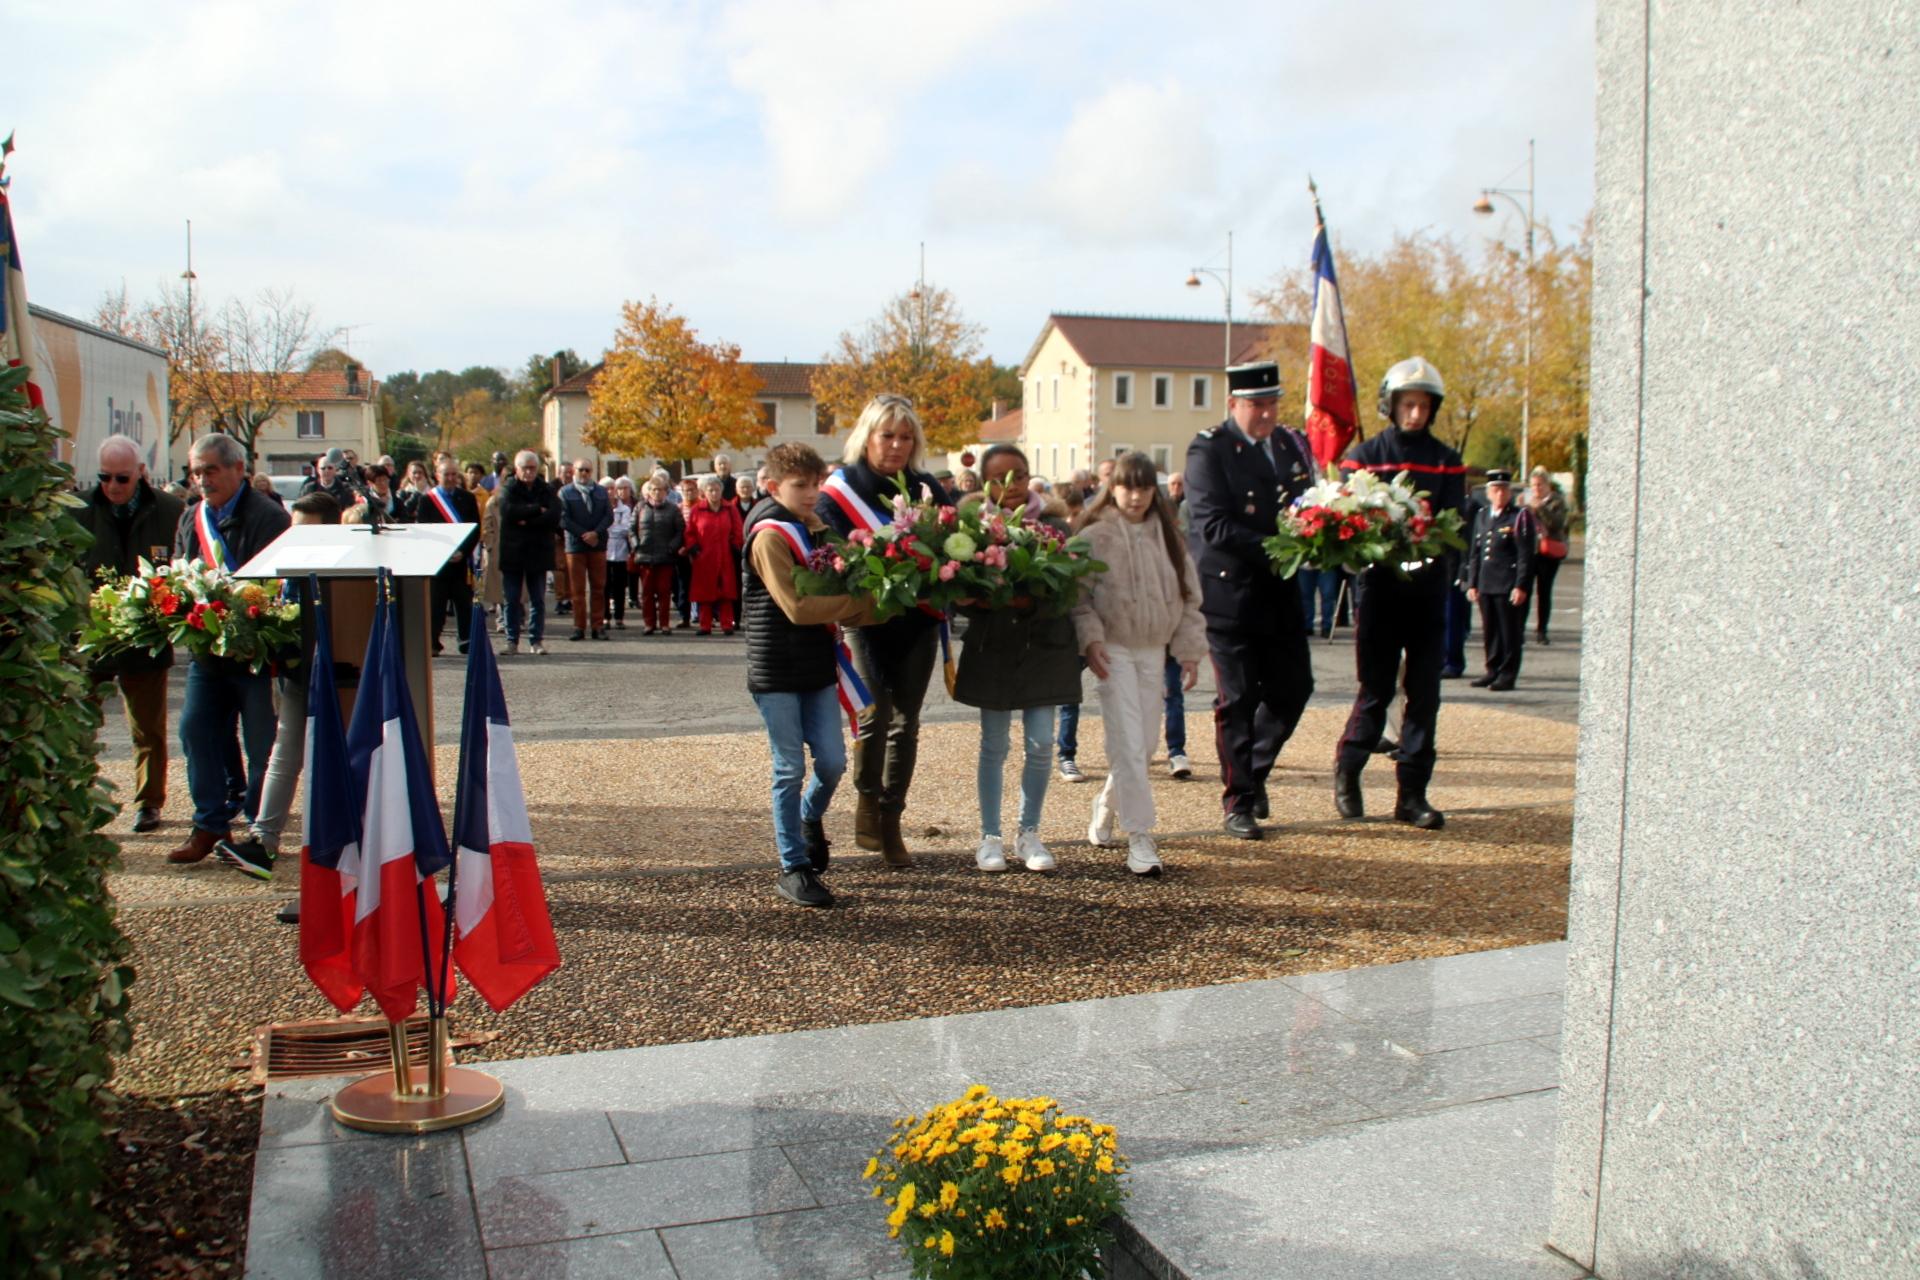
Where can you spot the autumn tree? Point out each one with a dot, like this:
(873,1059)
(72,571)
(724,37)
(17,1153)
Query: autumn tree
(262,348)
(1424,295)
(921,347)
(666,394)
(169,323)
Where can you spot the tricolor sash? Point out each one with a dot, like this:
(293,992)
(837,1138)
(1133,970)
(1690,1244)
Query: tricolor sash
(857,509)
(213,548)
(447,513)
(854,696)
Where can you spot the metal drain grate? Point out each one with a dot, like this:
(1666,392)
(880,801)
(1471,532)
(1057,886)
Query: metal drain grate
(352,1045)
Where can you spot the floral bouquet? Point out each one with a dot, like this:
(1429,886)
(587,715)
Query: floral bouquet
(196,607)
(1359,522)
(985,1188)
(934,556)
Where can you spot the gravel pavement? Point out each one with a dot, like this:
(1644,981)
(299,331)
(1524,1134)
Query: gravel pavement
(649,814)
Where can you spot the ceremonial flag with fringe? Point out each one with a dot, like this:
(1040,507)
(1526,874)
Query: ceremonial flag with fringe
(1332,398)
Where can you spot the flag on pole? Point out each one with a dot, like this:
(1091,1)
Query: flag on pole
(1332,400)
(330,856)
(395,922)
(16,322)
(506,945)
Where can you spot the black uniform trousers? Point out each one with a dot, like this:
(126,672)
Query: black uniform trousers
(1398,616)
(1262,683)
(895,662)
(452,588)
(1505,624)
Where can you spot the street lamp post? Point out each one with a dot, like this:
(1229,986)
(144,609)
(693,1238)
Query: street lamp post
(1484,205)
(1226,285)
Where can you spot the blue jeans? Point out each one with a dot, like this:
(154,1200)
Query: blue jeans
(1036,725)
(534,583)
(1323,585)
(1069,739)
(796,723)
(223,700)
(1176,710)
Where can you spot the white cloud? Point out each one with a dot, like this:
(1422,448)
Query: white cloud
(836,80)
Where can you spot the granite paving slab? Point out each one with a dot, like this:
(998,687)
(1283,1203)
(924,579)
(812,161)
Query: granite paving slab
(1391,1121)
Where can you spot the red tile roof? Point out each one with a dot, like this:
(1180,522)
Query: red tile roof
(1007,427)
(782,378)
(1152,342)
(322,384)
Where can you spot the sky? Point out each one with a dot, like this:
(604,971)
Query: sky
(461,184)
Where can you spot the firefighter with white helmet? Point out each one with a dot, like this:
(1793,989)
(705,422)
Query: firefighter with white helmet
(1402,618)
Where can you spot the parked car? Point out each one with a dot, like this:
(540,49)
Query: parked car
(288,487)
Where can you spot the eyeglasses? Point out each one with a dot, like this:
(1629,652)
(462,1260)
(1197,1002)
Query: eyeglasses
(114,477)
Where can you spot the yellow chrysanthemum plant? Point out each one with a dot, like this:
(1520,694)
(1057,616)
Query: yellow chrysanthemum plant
(986,1188)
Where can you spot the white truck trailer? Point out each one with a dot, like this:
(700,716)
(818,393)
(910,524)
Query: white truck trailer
(99,384)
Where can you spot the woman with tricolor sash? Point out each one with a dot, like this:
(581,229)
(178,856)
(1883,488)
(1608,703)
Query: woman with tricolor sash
(895,658)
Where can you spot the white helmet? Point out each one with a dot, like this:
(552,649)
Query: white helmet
(1416,373)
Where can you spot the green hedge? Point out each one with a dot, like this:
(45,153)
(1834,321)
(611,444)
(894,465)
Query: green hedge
(63,988)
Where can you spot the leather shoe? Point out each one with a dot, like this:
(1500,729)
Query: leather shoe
(146,820)
(1346,793)
(866,824)
(1262,808)
(1243,826)
(197,847)
(1482,682)
(893,849)
(1500,686)
(1413,808)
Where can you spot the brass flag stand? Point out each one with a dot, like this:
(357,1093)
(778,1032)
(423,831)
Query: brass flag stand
(395,1101)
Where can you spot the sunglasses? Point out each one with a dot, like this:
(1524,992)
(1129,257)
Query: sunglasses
(115,477)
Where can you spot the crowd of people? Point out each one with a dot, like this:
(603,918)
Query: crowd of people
(1186,580)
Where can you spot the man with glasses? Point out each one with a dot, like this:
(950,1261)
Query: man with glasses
(330,476)
(131,520)
(229,525)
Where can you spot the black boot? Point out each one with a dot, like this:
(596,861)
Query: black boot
(819,848)
(1412,807)
(1346,792)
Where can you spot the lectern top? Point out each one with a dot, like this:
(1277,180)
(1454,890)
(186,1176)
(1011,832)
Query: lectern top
(355,551)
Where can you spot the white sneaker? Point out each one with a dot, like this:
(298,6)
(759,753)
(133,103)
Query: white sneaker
(1100,830)
(1036,855)
(991,855)
(1143,858)
(538,650)
(1070,772)
(1179,766)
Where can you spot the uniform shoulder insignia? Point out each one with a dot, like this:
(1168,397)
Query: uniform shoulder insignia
(1208,433)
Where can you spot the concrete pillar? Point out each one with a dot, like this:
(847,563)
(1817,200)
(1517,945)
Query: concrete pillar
(1741,1079)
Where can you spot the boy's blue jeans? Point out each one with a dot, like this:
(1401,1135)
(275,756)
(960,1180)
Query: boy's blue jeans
(1037,729)
(798,723)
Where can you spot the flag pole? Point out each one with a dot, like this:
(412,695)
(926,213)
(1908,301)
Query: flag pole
(1320,229)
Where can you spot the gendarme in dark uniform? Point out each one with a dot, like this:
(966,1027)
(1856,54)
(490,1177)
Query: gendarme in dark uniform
(1395,616)
(1499,567)
(1240,476)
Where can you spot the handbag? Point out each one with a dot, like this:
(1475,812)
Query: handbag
(1553,548)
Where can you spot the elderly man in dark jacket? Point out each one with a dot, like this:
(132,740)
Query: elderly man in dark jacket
(586,513)
(131,520)
(229,525)
(528,522)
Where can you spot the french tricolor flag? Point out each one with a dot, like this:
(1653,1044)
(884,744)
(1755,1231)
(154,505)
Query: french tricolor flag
(396,923)
(330,858)
(1332,402)
(506,945)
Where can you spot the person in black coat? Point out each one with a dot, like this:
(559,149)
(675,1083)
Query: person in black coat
(131,520)
(1402,616)
(227,526)
(453,585)
(528,523)
(894,658)
(1499,569)
(1240,476)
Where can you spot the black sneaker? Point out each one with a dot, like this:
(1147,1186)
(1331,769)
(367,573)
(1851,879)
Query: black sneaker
(819,848)
(803,888)
(248,856)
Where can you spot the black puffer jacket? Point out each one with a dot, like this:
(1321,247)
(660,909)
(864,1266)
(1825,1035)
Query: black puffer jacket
(658,533)
(527,525)
(119,543)
(1012,659)
(782,655)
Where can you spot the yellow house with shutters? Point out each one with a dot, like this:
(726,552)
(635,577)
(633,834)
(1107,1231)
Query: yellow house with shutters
(1095,386)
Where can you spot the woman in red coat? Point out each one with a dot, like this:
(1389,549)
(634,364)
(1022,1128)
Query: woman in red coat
(713,546)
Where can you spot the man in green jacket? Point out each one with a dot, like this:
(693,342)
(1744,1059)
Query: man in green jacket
(130,519)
